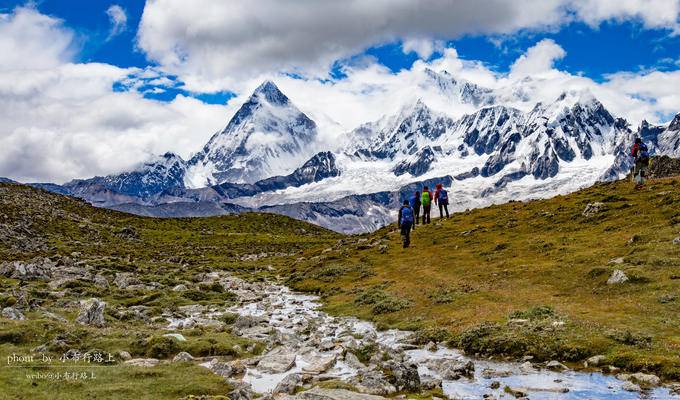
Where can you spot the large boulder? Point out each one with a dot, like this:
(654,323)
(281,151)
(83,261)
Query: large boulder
(373,382)
(91,312)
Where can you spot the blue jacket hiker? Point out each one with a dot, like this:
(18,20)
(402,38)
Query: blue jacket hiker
(414,202)
(405,222)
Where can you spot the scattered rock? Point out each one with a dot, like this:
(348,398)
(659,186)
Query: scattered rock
(372,382)
(37,268)
(517,392)
(40,349)
(91,312)
(676,240)
(179,288)
(631,387)
(177,336)
(617,277)
(431,346)
(430,383)
(318,363)
(289,384)
(488,373)
(452,369)
(618,260)
(645,379)
(353,361)
(125,279)
(124,355)
(54,316)
(100,281)
(592,209)
(277,361)
(182,356)
(12,313)
(404,376)
(495,385)
(335,394)
(143,362)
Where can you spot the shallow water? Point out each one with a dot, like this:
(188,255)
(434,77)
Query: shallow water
(292,314)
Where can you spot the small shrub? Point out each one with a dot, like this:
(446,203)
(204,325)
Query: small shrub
(629,338)
(162,347)
(535,313)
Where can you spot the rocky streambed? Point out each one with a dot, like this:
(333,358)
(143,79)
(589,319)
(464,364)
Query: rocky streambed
(309,351)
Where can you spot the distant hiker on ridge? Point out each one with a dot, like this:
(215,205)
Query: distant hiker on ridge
(405,222)
(426,202)
(640,153)
(441,198)
(415,205)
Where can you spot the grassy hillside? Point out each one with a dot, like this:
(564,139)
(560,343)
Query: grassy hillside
(514,280)
(159,253)
(525,279)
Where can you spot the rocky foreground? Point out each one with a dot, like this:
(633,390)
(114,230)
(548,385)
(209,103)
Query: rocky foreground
(311,355)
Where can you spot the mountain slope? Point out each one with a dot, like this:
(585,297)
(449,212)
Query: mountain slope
(75,251)
(525,279)
(267,136)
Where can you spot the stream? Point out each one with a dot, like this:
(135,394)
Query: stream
(304,341)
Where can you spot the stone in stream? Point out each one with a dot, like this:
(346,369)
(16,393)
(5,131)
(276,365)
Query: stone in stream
(372,382)
(318,363)
(556,366)
(91,312)
(404,376)
(289,384)
(242,391)
(335,394)
(428,382)
(277,361)
(452,369)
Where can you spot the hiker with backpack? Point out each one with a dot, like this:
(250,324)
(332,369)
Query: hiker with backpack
(414,202)
(640,153)
(405,223)
(426,202)
(441,198)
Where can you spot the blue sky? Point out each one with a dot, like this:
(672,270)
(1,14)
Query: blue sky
(595,52)
(93,87)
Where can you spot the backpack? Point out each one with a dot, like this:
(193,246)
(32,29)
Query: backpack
(425,199)
(643,152)
(406,215)
(443,195)
(414,201)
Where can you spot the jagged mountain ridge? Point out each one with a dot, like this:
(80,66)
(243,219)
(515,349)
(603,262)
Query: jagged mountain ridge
(495,153)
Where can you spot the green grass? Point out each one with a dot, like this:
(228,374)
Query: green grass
(464,278)
(541,264)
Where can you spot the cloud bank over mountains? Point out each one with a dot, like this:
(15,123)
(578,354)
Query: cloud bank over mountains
(63,119)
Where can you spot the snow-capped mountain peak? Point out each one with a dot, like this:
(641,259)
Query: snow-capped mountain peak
(267,136)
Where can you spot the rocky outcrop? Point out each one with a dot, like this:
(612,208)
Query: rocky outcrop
(92,312)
